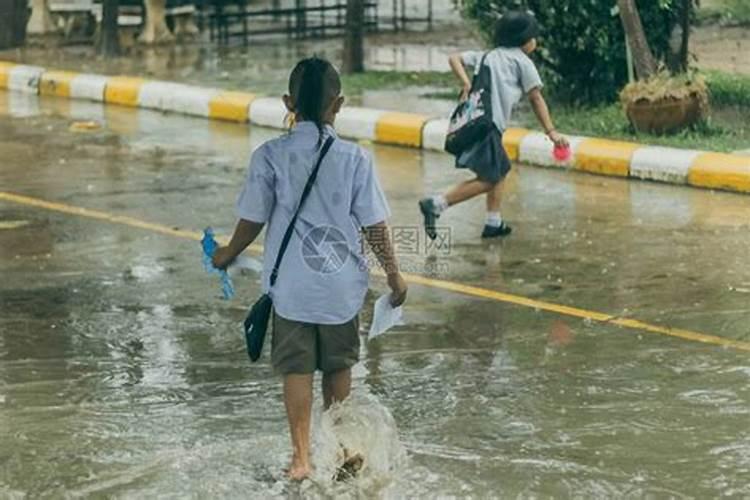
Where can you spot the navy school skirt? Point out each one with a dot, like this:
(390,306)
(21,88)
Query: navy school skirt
(486,158)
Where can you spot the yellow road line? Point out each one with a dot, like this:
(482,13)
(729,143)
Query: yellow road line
(470,290)
(105,216)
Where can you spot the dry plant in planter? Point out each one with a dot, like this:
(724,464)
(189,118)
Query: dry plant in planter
(666,103)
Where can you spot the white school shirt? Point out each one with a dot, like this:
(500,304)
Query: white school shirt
(513,75)
(323,276)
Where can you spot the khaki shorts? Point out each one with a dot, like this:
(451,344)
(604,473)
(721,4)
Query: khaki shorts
(298,347)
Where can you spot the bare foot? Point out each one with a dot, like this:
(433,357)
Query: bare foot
(299,471)
(350,467)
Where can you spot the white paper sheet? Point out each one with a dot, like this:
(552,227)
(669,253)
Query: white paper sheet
(385,316)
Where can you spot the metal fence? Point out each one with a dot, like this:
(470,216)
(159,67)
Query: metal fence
(227,21)
(233,19)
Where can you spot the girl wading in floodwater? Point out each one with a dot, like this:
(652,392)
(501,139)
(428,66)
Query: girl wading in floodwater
(323,279)
(513,74)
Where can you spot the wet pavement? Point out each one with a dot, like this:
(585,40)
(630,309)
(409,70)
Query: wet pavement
(122,371)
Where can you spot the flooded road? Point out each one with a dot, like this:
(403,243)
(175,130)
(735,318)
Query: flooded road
(123,375)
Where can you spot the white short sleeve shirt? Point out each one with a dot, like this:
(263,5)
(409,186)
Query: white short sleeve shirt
(513,75)
(323,277)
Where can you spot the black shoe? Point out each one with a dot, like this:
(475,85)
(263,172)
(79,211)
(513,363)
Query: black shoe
(429,211)
(497,231)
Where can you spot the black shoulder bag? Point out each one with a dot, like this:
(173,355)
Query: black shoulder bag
(256,322)
(472,119)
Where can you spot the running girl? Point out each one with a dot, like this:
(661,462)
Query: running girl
(513,75)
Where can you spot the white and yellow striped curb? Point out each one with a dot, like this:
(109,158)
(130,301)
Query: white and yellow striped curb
(267,112)
(600,156)
(662,164)
(20,77)
(176,97)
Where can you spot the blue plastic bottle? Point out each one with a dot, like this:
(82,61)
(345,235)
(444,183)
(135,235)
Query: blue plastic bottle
(210,245)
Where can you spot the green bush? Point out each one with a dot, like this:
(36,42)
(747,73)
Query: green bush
(727,89)
(582,47)
(738,11)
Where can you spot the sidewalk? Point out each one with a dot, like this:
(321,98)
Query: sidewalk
(600,156)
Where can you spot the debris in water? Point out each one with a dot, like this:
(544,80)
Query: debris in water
(560,334)
(85,126)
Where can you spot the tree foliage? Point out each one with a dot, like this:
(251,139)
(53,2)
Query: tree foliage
(582,47)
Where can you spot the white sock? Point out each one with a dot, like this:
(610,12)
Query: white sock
(441,204)
(494,219)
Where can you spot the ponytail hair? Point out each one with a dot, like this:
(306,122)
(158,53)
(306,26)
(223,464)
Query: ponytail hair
(313,85)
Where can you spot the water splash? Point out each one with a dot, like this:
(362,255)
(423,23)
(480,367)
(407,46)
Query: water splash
(361,425)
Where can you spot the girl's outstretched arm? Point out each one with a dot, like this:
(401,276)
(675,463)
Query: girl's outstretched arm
(459,70)
(542,113)
(244,234)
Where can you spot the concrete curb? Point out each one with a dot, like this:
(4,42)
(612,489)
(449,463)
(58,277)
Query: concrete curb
(599,156)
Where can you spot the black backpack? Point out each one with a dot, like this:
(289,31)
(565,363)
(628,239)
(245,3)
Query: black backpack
(471,121)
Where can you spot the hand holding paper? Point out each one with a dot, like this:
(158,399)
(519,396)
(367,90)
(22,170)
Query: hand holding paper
(385,316)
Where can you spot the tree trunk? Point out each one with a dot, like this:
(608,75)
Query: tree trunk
(13,20)
(643,58)
(109,41)
(685,45)
(354,50)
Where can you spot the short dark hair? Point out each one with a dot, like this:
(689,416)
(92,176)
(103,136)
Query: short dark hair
(515,28)
(313,84)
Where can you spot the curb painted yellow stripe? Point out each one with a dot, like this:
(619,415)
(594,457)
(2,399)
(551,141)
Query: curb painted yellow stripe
(232,106)
(123,90)
(5,68)
(512,141)
(720,171)
(56,83)
(403,129)
(602,156)
(469,290)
